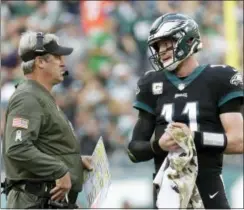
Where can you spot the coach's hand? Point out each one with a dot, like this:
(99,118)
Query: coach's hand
(87,162)
(62,187)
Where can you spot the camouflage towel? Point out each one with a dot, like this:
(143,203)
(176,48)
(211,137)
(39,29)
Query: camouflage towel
(176,178)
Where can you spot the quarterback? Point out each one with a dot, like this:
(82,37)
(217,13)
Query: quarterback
(204,99)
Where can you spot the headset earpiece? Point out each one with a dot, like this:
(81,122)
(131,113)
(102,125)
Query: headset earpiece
(39,42)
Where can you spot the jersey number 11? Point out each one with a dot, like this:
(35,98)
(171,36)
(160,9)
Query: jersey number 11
(190,109)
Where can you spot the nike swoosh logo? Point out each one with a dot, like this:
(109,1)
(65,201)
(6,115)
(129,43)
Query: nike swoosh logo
(212,196)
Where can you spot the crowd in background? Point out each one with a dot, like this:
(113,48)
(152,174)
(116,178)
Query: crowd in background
(110,54)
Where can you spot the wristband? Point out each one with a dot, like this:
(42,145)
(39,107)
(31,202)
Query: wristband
(216,141)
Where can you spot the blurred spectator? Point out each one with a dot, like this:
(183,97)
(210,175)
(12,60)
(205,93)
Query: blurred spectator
(45,17)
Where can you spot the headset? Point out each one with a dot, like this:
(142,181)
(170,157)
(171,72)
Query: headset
(41,49)
(39,43)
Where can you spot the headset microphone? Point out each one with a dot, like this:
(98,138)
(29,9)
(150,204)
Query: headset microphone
(66,73)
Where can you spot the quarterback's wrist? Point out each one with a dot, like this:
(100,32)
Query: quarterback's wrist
(156,148)
(208,140)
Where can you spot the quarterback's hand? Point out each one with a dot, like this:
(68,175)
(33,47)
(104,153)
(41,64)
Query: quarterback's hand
(184,127)
(87,162)
(62,188)
(167,143)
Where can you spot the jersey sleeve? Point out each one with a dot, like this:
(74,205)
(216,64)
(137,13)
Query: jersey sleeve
(145,100)
(23,123)
(230,84)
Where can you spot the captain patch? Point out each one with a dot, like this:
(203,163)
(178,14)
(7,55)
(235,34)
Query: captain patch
(157,88)
(20,123)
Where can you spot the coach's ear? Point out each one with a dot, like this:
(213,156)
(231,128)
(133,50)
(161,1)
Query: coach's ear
(41,61)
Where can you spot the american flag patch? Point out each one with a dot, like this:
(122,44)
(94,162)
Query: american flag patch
(20,123)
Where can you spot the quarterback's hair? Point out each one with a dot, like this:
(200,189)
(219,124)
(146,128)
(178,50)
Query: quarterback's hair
(27,43)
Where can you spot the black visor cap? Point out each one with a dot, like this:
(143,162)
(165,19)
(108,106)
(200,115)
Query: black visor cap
(50,48)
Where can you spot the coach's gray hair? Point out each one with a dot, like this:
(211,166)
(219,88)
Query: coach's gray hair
(28,43)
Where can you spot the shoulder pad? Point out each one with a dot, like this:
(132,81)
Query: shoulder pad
(225,68)
(227,74)
(148,72)
(222,71)
(147,78)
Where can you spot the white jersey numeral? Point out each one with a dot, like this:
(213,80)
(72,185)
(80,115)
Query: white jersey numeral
(167,112)
(191,110)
